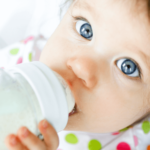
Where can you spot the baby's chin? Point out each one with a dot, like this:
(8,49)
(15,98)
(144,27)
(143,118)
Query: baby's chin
(75,123)
(100,130)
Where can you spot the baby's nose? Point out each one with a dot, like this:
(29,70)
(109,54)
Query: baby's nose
(85,68)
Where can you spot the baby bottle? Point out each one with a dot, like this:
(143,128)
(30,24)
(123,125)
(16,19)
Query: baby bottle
(29,93)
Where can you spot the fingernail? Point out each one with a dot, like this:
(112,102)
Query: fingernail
(13,141)
(25,132)
(44,124)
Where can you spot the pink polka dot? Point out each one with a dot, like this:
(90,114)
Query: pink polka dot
(115,133)
(2,67)
(123,146)
(135,140)
(28,39)
(19,60)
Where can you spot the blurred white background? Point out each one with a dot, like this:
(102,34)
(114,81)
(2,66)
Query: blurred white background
(21,18)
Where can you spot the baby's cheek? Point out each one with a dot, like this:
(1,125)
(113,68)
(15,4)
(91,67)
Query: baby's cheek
(112,111)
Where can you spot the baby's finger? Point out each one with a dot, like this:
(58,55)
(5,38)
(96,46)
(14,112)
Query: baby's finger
(13,143)
(50,135)
(30,140)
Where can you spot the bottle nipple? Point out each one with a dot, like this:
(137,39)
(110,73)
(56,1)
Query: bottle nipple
(69,95)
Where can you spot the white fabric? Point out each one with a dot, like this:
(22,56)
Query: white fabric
(21,18)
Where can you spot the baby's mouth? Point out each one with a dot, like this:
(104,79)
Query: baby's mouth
(73,111)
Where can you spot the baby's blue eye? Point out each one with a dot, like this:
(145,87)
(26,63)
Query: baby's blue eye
(128,67)
(84,29)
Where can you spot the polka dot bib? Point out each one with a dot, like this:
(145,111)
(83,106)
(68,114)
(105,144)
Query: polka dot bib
(136,137)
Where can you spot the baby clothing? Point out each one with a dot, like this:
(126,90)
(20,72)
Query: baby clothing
(135,137)
(22,40)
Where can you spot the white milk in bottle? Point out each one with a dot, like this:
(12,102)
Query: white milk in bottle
(29,93)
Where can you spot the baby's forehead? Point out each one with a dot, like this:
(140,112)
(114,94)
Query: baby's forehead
(140,5)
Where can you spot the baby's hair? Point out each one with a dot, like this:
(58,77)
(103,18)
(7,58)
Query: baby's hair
(148,4)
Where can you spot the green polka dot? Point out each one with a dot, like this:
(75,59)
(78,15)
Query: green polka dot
(146,126)
(122,130)
(94,145)
(71,138)
(30,56)
(14,51)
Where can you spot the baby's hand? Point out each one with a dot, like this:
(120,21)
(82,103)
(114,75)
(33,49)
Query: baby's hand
(29,141)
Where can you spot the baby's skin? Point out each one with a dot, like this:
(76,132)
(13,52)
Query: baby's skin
(102,50)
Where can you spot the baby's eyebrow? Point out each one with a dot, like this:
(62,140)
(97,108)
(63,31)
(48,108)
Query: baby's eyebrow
(85,6)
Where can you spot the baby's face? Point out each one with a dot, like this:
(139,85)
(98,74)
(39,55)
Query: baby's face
(105,61)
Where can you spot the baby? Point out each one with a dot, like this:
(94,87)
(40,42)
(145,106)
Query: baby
(102,49)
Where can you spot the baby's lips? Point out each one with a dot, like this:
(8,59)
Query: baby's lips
(73,111)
